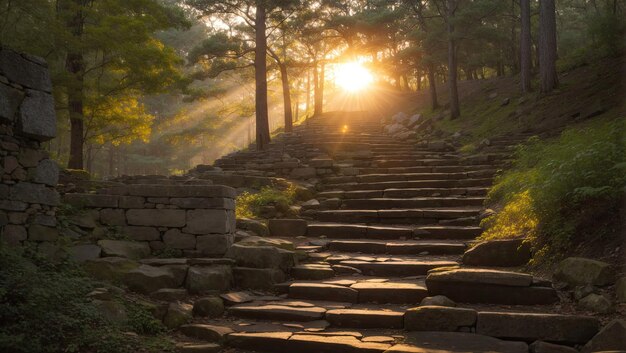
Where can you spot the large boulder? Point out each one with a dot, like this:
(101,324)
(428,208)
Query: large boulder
(252,225)
(578,271)
(498,253)
(111,269)
(262,257)
(178,314)
(146,279)
(257,278)
(208,306)
(611,338)
(202,279)
(596,303)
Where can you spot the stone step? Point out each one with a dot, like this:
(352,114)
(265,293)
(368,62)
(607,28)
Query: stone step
(355,342)
(312,272)
(397,268)
(388,292)
(393,216)
(322,291)
(397,247)
(356,231)
(463,183)
(360,231)
(426,169)
(287,342)
(360,318)
(277,312)
(384,203)
(404,193)
(491,287)
(447,232)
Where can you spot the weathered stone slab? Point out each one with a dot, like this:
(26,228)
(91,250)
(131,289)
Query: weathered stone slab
(545,347)
(455,342)
(175,239)
(156,217)
(197,202)
(47,172)
(389,292)
(358,318)
(37,117)
(438,318)
(287,227)
(318,291)
(91,200)
(312,272)
(207,279)
(109,268)
(34,193)
(503,278)
(531,327)
(277,312)
(396,268)
(28,71)
(209,333)
(208,221)
(142,233)
(182,191)
(578,271)
(498,253)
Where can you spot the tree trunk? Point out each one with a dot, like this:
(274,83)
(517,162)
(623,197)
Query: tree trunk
(434,104)
(260,76)
(75,66)
(455,111)
(286,97)
(547,46)
(308,92)
(318,83)
(525,50)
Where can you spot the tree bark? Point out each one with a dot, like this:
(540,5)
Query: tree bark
(75,66)
(525,49)
(318,83)
(286,97)
(260,76)
(455,111)
(434,104)
(308,92)
(547,46)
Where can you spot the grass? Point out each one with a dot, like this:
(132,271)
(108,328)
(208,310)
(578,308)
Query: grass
(565,191)
(44,308)
(249,205)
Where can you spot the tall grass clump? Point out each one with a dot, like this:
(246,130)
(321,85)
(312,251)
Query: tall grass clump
(562,192)
(249,204)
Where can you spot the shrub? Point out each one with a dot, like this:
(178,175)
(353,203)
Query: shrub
(560,192)
(44,309)
(249,205)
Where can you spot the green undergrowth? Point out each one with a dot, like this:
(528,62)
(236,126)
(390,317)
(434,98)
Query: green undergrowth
(44,308)
(562,192)
(249,205)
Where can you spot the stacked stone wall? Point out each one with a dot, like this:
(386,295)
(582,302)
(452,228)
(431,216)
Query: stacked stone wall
(198,220)
(28,198)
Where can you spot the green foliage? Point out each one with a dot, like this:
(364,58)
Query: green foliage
(44,308)
(249,204)
(573,186)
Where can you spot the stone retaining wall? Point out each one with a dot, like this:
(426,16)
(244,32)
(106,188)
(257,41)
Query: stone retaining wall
(28,198)
(199,220)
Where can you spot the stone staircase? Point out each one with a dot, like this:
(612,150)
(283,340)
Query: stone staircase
(380,250)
